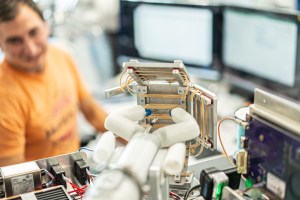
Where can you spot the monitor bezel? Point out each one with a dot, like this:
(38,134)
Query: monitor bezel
(232,74)
(129,49)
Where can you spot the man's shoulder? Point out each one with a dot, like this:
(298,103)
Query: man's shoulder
(9,85)
(8,95)
(5,77)
(8,89)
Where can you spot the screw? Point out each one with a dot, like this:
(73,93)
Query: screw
(264,101)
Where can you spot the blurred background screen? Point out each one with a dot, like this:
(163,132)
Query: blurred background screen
(167,32)
(262,47)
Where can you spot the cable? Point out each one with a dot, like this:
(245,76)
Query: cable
(186,195)
(200,140)
(186,91)
(91,176)
(85,148)
(120,80)
(128,81)
(48,173)
(175,196)
(76,189)
(220,139)
(201,128)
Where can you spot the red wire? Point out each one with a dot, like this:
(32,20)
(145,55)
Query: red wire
(79,191)
(173,195)
(91,178)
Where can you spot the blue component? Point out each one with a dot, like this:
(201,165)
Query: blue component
(240,133)
(148,112)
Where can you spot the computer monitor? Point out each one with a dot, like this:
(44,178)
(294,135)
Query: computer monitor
(157,31)
(261,49)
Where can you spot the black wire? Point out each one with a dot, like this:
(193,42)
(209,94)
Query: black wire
(190,190)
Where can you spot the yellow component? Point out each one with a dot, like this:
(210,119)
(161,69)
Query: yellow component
(242,161)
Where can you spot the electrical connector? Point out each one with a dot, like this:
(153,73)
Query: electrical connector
(80,171)
(220,180)
(242,161)
(80,168)
(206,182)
(234,178)
(58,172)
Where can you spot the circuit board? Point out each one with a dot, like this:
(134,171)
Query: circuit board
(271,149)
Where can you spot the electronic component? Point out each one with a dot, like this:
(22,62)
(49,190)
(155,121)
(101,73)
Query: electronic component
(242,156)
(2,193)
(206,182)
(27,180)
(212,182)
(241,115)
(293,180)
(274,144)
(20,178)
(234,177)
(242,161)
(276,185)
(220,180)
(53,193)
(80,168)
(229,194)
(57,171)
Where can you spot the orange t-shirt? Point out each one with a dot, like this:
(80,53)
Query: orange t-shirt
(38,112)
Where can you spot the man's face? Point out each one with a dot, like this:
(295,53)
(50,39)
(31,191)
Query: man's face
(24,40)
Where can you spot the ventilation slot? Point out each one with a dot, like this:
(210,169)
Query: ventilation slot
(55,194)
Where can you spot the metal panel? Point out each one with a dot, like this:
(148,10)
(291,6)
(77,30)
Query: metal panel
(277,110)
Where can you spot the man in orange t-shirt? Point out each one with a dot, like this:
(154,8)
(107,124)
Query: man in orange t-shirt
(40,89)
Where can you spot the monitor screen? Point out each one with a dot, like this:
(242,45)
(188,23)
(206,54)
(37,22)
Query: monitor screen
(261,46)
(168,32)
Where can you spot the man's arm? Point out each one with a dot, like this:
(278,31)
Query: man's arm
(94,113)
(12,131)
(11,160)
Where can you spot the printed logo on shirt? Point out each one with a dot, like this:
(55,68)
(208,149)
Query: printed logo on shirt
(66,119)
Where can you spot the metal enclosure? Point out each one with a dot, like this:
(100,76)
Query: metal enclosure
(161,87)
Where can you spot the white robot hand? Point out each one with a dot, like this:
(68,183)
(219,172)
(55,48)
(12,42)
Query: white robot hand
(125,180)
